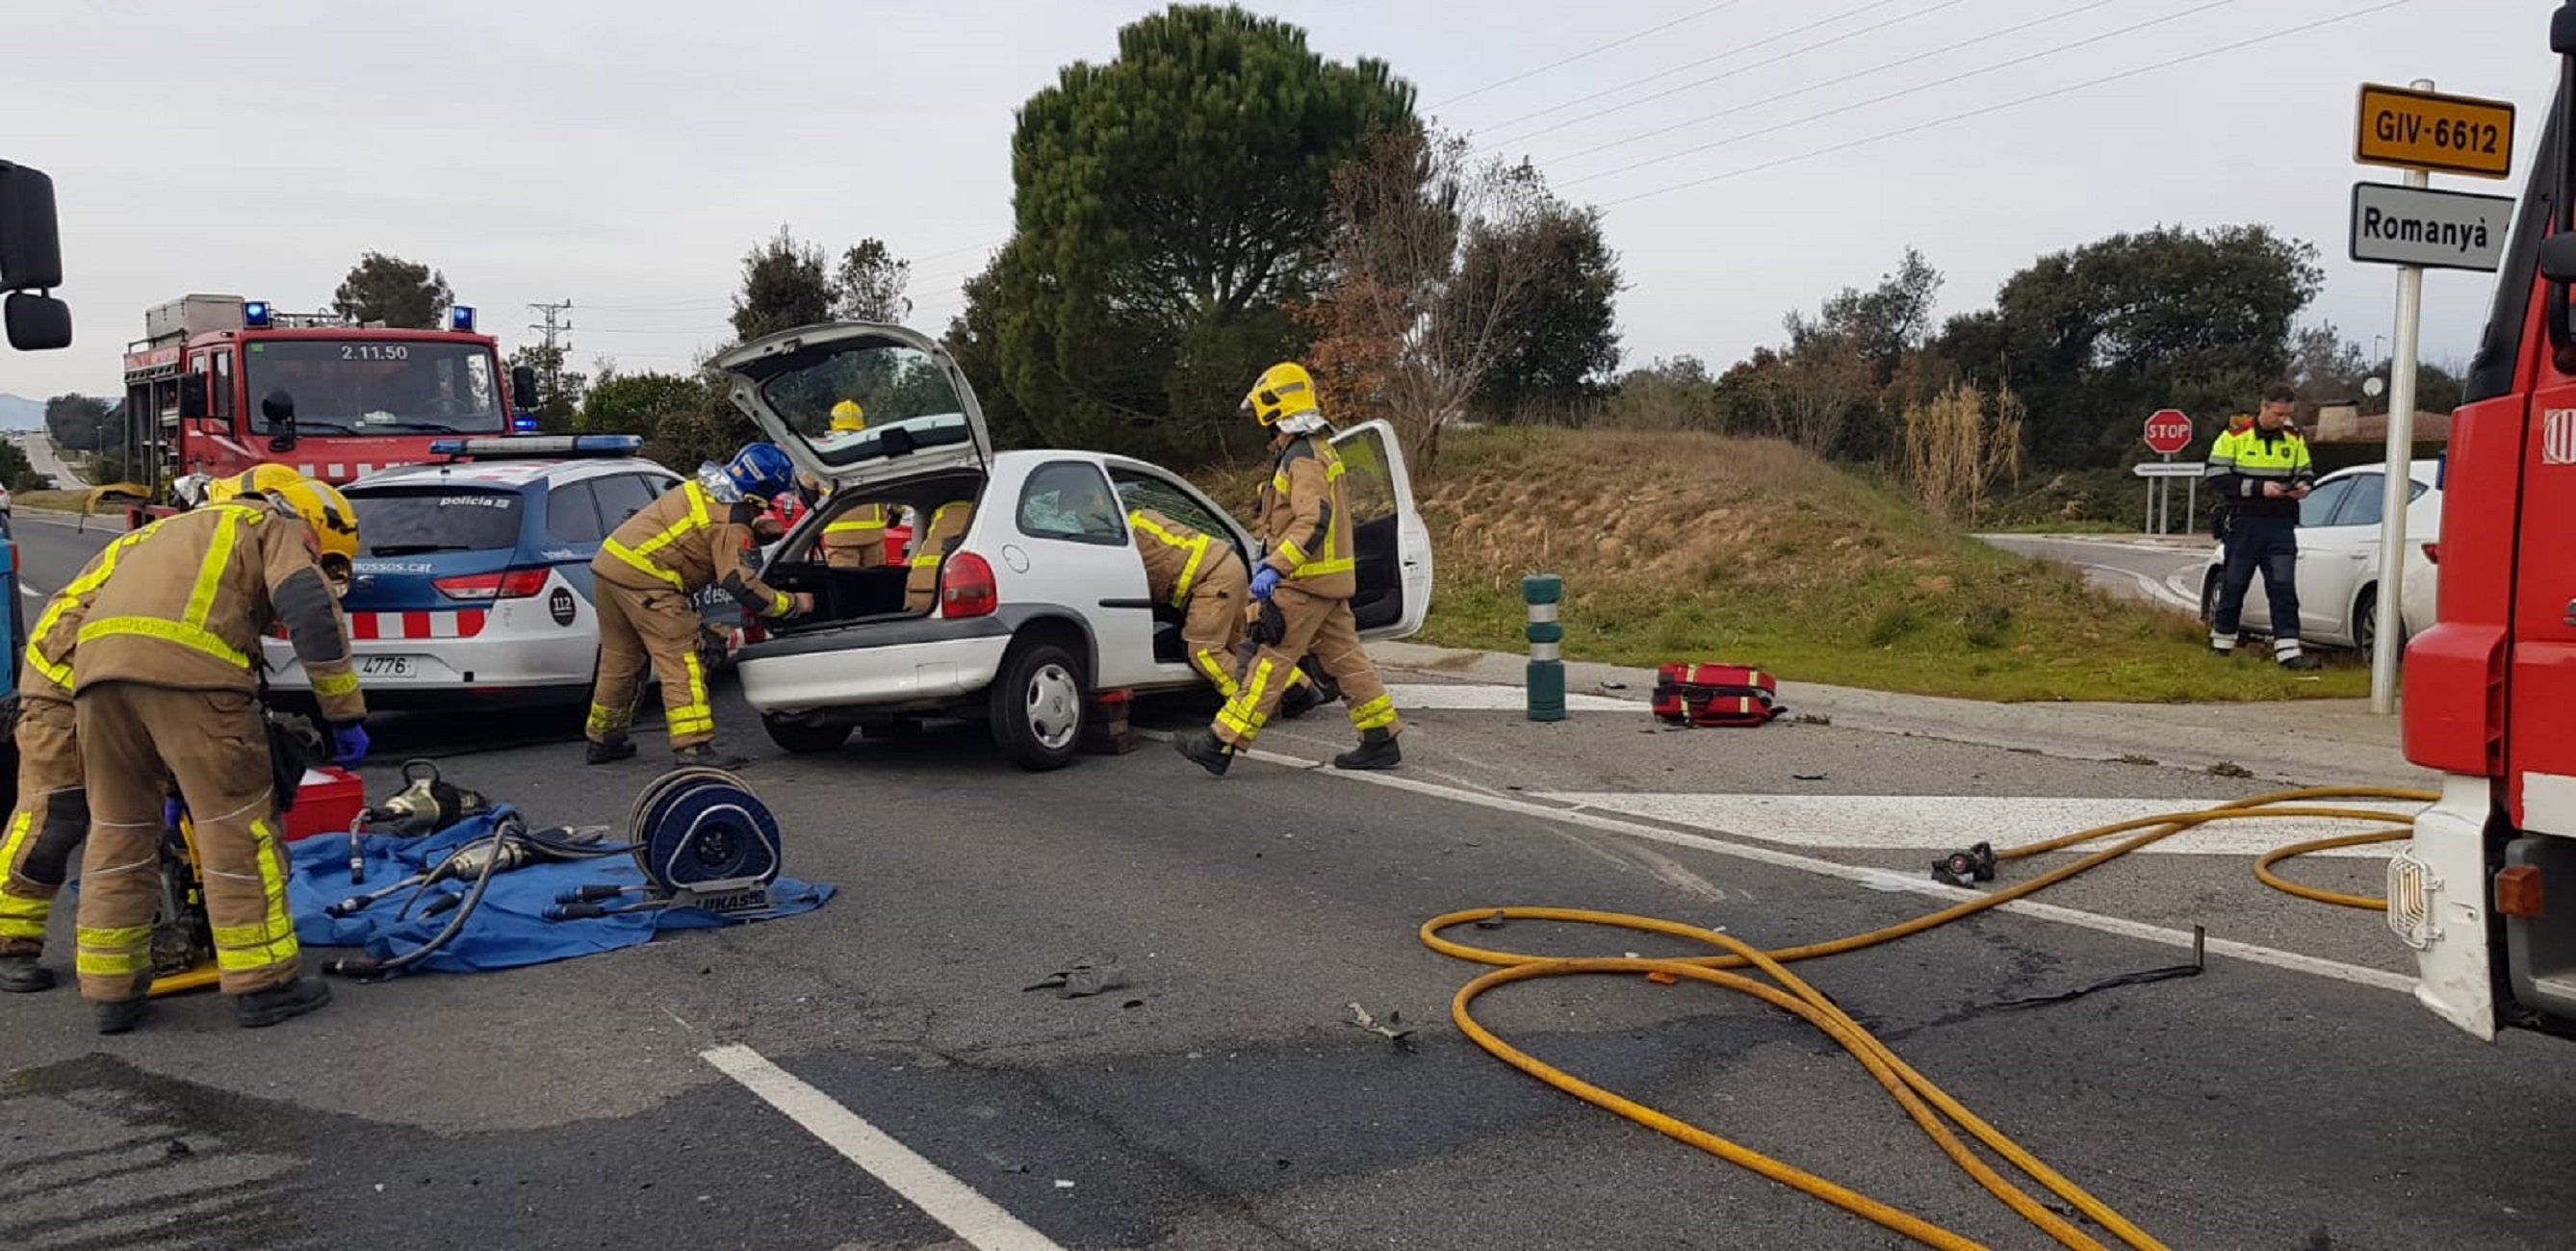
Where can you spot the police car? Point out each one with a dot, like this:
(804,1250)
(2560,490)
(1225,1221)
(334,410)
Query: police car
(472,582)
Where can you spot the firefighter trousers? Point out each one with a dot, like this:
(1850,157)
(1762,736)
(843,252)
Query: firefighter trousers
(659,626)
(1312,623)
(215,747)
(51,819)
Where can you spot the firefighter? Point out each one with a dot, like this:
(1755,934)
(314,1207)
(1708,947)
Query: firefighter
(165,686)
(1202,576)
(855,539)
(701,533)
(1308,576)
(2261,474)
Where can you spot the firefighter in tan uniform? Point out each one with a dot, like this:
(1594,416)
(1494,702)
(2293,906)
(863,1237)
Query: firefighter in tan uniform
(1201,575)
(164,686)
(930,549)
(52,816)
(855,539)
(699,534)
(1309,576)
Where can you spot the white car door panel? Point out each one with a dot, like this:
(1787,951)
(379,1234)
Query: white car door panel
(1140,486)
(2348,559)
(1389,541)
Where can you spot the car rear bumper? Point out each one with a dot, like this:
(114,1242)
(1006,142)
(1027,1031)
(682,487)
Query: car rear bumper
(395,672)
(923,662)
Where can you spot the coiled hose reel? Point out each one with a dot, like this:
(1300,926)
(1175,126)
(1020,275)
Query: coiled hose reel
(702,839)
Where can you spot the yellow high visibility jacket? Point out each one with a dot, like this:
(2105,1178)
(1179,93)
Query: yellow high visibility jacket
(2243,460)
(185,604)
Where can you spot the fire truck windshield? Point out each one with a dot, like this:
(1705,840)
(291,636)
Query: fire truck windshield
(376,386)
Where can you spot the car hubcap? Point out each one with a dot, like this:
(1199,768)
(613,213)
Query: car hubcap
(1055,707)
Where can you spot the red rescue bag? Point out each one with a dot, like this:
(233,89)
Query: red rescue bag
(1687,694)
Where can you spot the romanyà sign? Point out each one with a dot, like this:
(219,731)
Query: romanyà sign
(2434,229)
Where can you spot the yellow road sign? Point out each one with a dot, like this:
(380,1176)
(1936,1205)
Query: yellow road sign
(2421,130)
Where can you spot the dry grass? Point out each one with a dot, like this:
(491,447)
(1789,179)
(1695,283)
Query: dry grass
(1681,546)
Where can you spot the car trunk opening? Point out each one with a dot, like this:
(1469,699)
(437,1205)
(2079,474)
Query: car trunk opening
(816,561)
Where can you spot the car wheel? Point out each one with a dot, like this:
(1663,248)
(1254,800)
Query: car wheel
(805,738)
(2209,598)
(1037,705)
(2365,622)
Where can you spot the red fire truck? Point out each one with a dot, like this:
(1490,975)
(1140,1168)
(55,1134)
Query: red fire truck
(219,384)
(2486,891)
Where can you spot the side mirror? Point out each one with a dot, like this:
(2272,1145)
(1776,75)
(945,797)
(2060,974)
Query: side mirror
(278,407)
(523,388)
(31,250)
(192,395)
(2562,30)
(38,323)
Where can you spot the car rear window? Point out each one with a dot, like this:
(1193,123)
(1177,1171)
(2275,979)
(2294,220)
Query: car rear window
(399,522)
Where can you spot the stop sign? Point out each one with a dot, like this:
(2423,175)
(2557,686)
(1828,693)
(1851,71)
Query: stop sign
(2168,431)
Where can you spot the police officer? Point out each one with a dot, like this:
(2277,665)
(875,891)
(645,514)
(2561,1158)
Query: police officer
(165,685)
(2260,474)
(1309,576)
(644,580)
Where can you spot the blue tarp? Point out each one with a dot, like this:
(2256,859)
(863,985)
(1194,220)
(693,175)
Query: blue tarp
(508,929)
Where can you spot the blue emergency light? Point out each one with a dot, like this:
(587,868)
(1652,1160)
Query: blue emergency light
(460,318)
(524,422)
(255,314)
(506,447)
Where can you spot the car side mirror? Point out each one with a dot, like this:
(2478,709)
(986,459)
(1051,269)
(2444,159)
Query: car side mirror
(38,323)
(523,388)
(192,395)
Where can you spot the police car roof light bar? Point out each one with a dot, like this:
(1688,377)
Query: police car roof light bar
(522,448)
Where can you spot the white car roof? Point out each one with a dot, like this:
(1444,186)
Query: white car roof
(510,473)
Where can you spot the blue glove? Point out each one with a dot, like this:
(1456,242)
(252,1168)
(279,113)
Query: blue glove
(348,745)
(1264,582)
(170,810)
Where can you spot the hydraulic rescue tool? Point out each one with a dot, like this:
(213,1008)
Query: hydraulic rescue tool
(703,841)
(510,845)
(425,806)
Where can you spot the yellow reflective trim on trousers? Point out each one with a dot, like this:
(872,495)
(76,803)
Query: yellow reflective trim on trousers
(855,527)
(329,685)
(639,554)
(606,720)
(120,952)
(1377,714)
(1241,714)
(696,714)
(1214,666)
(270,941)
(194,638)
(210,571)
(21,916)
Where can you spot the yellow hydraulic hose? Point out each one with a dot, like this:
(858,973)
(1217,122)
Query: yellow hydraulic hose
(1924,1102)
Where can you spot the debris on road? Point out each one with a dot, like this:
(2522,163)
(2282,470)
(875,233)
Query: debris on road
(1394,1030)
(1083,977)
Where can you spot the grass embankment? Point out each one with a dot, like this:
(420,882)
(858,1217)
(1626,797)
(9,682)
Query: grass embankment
(1695,547)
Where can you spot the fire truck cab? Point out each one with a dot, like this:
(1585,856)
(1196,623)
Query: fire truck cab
(2485,893)
(219,383)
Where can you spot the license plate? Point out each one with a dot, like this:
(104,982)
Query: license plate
(387,667)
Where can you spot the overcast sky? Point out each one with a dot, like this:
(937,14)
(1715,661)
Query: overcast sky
(623,155)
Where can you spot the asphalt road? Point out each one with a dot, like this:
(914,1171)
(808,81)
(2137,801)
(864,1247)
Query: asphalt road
(2166,572)
(40,454)
(1223,1099)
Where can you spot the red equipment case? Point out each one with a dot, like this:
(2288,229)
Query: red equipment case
(1710,695)
(327,802)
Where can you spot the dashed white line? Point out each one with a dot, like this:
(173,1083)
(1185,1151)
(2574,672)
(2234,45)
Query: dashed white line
(976,1220)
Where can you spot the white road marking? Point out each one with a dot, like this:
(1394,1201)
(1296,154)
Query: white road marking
(1949,822)
(1874,879)
(978,1221)
(1493,697)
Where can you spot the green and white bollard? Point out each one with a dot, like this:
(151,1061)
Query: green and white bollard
(1541,591)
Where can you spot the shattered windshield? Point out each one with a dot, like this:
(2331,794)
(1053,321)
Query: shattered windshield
(377,386)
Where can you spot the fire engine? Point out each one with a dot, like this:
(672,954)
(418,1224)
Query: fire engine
(219,383)
(2485,892)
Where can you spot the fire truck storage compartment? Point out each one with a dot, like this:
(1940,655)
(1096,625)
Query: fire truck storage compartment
(193,315)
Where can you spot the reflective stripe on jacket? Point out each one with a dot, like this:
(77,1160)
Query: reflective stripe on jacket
(1175,555)
(48,655)
(185,605)
(1305,519)
(688,542)
(2243,460)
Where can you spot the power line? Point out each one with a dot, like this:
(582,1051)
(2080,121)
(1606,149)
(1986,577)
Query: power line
(2105,80)
(1627,39)
(558,321)
(1729,54)
(1963,76)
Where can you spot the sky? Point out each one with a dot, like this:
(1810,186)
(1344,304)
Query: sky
(1751,157)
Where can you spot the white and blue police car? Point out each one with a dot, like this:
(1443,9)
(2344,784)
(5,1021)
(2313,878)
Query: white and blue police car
(472,584)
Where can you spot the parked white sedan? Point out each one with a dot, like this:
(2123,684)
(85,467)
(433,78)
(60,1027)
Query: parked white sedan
(2340,533)
(1040,600)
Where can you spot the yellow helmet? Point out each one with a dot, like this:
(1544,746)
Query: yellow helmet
(334,522)
(1284,390)
(257,480)
(847,416)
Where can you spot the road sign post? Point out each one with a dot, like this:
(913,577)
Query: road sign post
(2418,131)
(2167,431)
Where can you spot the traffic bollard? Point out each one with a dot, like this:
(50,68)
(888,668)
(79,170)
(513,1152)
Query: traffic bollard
(1546,682)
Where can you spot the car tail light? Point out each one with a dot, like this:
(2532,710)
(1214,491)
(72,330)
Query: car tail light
(507,584)
(2433,553)
(966,587)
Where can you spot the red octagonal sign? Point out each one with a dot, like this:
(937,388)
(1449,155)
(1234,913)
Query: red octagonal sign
(2168,431)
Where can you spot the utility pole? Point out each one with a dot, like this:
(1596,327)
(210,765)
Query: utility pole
(558,321)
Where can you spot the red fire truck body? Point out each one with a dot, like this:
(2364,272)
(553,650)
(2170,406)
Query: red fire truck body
(204,385)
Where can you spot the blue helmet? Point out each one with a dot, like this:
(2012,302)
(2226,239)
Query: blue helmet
(761,469)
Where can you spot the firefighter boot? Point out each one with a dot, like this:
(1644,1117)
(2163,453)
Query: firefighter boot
(21,975)
(1377,750)
(2301,663)
(117,1016)
(262,1008)
(1205,751)
(1301,699)
(707,756)
(609,750)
